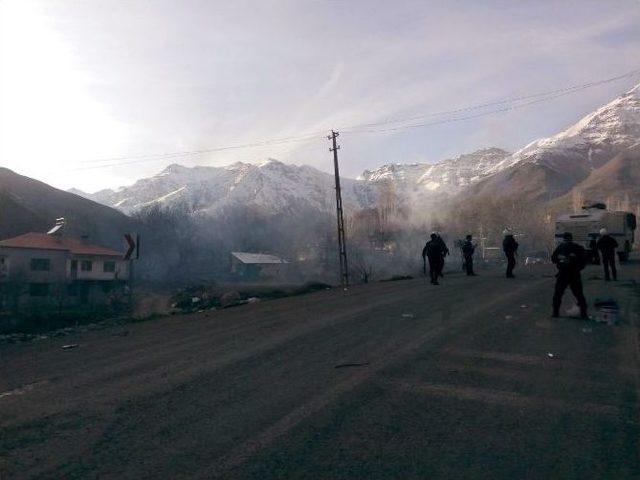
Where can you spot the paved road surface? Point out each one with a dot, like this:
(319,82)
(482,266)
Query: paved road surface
(453,381)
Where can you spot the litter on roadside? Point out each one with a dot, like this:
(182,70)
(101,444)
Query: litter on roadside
(607,311)
(574,311)
(508,317)
(524,306)
(70,346)
(550,355)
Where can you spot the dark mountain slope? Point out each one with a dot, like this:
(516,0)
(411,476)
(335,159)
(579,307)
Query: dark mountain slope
(29,205)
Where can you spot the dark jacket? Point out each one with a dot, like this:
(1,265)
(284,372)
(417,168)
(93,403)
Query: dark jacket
(569,257)
(607,245)
(468,248)
(509,245)
(433,249)
(445,249)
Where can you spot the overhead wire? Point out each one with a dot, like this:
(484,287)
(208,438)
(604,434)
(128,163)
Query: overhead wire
(513,103)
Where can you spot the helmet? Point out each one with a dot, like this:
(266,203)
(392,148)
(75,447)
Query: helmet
(603,231)
(506,231)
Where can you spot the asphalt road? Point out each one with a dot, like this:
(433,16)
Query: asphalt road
(397,380)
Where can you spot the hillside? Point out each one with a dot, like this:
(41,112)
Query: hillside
(30,205)
(551,167)
(616,182)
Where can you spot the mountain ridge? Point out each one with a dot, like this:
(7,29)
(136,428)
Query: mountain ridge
(542,170)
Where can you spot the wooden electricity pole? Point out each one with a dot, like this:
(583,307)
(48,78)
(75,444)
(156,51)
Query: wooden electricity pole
(342,246)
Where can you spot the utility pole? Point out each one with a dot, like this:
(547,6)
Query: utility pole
(342,246)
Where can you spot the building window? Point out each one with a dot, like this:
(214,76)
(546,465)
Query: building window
(40,264)
(38,289)
(86,265)
(109,266)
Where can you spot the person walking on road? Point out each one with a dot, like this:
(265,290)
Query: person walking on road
(434,252)
(445,252)
(510,248)
(570,259)
(607,245)
(467,252)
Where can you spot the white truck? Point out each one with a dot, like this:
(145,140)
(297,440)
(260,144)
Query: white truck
(585,227)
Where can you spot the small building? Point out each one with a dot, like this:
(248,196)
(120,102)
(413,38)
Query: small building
(38,269)
(253,266)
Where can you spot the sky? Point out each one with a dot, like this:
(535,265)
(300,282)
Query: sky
(96,94)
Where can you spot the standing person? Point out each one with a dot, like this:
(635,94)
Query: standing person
(607,245)
(467,252)
(445,252)
(570,259)
(510,248)
(434,253)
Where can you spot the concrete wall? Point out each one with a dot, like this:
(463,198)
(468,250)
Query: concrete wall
(97,268)
(18,265)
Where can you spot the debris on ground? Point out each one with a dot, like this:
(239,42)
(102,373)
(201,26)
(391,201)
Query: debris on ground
(229,299)
(195,299)
(574,311)
(524,306)
(70,346)
(607,310)
(587,330)
(508,317)
(550,355)
(344,365)
(253,300)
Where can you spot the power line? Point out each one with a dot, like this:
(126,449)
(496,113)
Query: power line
(168,156)
(567,90)
(511,104)
(458,119)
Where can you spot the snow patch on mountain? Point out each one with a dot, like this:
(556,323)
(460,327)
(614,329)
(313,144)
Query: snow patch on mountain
(271,186)
(594,139)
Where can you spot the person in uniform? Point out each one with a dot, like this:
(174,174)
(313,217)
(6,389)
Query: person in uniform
(467,252)
(434,252)
(510,249)
(607,245)
(570,259)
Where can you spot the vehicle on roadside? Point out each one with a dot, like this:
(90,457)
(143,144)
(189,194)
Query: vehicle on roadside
(585,226)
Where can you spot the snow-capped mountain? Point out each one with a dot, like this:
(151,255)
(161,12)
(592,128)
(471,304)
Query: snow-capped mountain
(447,176)
(551,167)
(272,185)
(591,142)
(279,187)
(542,170)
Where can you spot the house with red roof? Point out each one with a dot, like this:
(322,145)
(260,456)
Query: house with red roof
(43,268)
